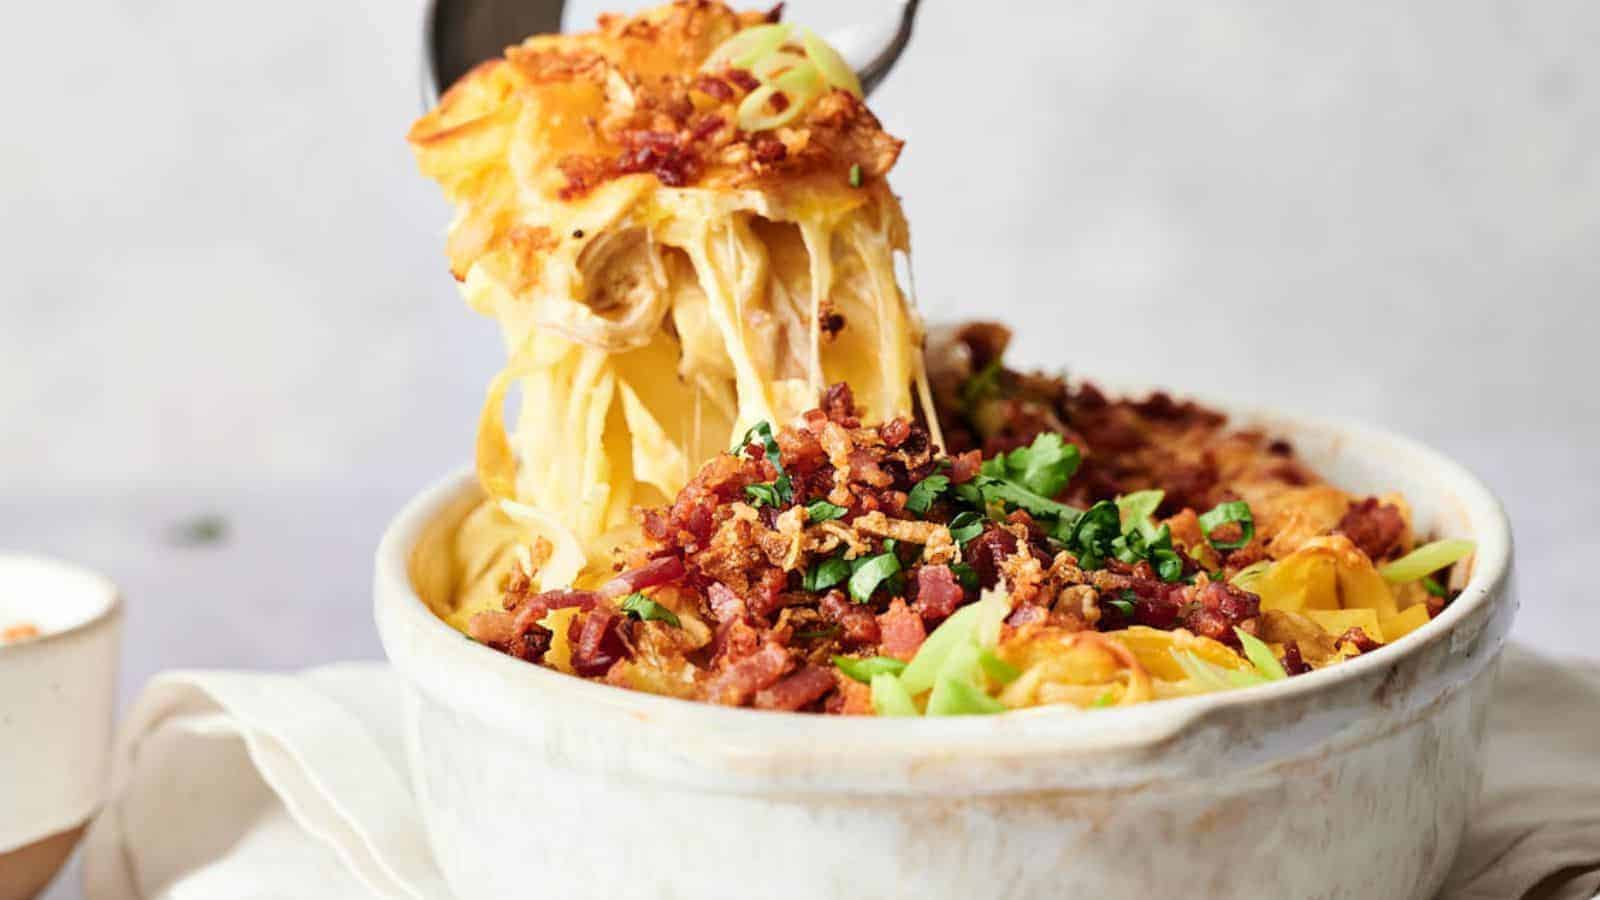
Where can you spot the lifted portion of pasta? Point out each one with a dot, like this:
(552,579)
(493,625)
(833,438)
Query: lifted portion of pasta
(681,223)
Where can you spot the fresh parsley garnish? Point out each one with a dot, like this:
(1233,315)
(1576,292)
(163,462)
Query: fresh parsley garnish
(1093,535)
(862,670)
(966,575)
(643,608)
(1432,586)
(868,572)
(965,526)
(1124,603)
(826,574)
(855,175)
(1223,513)
(823,511)
(1042,468)
(925,491)
(983,383)
(781,491)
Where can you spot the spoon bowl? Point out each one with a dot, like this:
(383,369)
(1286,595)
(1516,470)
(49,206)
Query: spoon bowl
(460,34)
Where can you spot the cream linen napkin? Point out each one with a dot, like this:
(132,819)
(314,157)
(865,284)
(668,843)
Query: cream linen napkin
(253,786)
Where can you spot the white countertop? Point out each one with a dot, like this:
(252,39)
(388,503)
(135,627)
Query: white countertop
(226,291)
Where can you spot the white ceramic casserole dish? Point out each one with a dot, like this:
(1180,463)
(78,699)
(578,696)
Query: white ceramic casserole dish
(1352,781)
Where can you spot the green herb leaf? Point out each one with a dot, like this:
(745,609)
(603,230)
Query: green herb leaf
(923,493)
(967,575)
(1426,560)
(641,607)
(762,494)
(826,574)
(890,697)
(1137,509)
(1104,700)
(855,175)
(983,384)
(992,489)
(1432,586)
(1095,533)
(1124,603)
(1222,514)
(1260,656)
(781,491)
(869,572)
(1045,466)
(862,670)
(966,526)
(823,511)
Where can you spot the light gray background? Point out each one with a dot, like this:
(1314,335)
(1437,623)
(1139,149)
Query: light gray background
(225,289)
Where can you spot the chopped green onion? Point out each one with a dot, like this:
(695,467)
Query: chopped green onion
(1432,586)
(966,526)
(798,85)
(862,670)
(923,493)
(855,175)
(1212,676)
(826,574)
(993,607)
(1233,511)
(931,656)
(1426,560)
(1137,508)
(986,489)
(1246,578)
(747,47)
(823,511)
(890,697)
(1260,656)
(1124,603)
(643,608)
(1167,563)
(956,697)
(1105,699)
(828,61)
(997,668)
(869,572)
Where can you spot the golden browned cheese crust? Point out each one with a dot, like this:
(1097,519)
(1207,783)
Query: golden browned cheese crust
(627,98)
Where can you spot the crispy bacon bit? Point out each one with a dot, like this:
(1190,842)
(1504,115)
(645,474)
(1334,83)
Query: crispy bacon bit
(596,641)
(738,683)
(830,324)
(712,86)
(775,14)
(768,149)
(1293,662)
(902,630)
(656,572)
(1359,639)
(964,466)
(742,79)
(706,128)
(938,594)
(856,623)
(1374,527)
(779,101)
(797,691)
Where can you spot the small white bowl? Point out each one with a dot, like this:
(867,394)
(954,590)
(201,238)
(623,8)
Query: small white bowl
(57,698)
(1351,781)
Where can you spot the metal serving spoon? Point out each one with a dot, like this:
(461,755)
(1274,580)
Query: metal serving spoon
(459,34)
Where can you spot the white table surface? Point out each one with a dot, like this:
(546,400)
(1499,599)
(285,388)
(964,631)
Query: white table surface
(226,292)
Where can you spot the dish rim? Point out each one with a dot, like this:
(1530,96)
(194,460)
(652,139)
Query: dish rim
(396,604)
